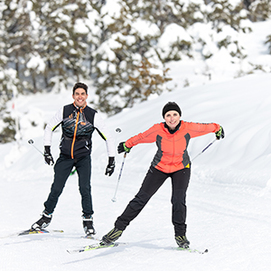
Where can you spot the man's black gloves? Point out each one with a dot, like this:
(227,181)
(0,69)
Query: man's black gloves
(110,167)
(48,156)
(123,148)
(220,133)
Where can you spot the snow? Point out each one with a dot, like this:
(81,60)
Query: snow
(145,28)
(228,198)
(176,31)
(81,27)
(36,62)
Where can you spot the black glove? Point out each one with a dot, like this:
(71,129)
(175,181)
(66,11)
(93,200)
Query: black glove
(123,148)
(220,133)
(48,156)
(110,167)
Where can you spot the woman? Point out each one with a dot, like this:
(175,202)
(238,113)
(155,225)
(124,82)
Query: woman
(171,160)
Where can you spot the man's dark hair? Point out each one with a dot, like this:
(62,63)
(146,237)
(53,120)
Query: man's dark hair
(80,85)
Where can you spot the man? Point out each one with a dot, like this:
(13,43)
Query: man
(78,122)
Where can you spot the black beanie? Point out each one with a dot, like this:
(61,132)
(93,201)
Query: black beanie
(171,106)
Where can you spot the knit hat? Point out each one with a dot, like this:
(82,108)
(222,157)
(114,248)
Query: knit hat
(171,106)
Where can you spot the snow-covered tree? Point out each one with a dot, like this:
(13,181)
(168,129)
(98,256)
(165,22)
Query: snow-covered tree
(173,44)
(268,42)
(123,46)
(260,10)
(9,87)
(126,47)
(62,39)
(18,40)
(224,12)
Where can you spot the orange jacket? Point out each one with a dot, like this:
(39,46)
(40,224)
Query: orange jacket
(172,152)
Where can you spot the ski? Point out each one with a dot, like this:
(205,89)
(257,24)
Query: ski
(30,231)
(100,246)
(94,247)
(91,237)
(40,231)
(192,250)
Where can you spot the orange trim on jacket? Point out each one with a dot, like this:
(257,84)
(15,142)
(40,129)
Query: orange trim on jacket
(74,135)
(75,129)
(172,152)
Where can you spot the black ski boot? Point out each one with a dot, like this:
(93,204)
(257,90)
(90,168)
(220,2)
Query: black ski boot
(182,241)
(88,225)
(112,236)
(43,222)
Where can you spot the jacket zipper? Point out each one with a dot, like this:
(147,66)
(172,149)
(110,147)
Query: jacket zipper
(173,153)
(74,134)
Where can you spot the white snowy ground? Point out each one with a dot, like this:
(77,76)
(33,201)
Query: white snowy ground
(228,199)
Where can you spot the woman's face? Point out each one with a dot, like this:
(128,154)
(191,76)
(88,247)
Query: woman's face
(172,119)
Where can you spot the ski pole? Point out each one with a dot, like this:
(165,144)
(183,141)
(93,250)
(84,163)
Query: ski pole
(73,171)
(114,198)
(31,142)
(204,149)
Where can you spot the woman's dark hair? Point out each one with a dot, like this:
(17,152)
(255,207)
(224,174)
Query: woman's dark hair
(80,85)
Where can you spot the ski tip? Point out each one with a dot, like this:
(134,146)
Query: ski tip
(38,231)
(75,251)
(61,231)
(202,252)
(31,231)
(88,237)
(192,250)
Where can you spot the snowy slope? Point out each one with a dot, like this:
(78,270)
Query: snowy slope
(228,199)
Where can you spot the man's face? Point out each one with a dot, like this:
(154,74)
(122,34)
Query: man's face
(80,97)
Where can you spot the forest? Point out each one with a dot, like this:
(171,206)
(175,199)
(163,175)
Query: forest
(124,52)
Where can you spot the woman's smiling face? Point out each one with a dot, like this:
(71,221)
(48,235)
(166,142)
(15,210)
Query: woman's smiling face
(172,119)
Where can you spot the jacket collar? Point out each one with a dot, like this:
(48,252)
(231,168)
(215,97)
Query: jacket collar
(172,131)
(79,108)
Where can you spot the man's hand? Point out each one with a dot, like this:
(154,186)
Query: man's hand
(110,167)
(48,156)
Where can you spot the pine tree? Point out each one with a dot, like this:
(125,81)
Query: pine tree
(18,41)
(122,59)
(260,10)
(146,83)
(63,42)
(268,42)
(51,43)
(223,13)
(9,85)
(11,58)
